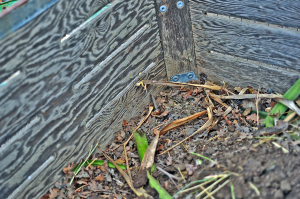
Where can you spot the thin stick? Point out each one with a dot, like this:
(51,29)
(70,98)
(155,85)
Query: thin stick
(197,186)
(185,147)
(168,174)
(154,102)
(212,185)
(248,96)
(90,153)
(92,162)
(181,174)
(256,104)
(207,192)
(289,117)
(206,125)
(217,189)
(81,187)
(153,82)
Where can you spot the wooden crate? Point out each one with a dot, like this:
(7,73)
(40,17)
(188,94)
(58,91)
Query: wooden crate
(68,70)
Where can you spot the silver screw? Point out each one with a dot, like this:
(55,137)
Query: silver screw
(180,4)
(163,8)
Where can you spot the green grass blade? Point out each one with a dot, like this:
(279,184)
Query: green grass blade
(163,194)
(141,143)
(202,156)
(291,94)
(97,163)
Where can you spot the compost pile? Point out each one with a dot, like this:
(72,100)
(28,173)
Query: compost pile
(205,141)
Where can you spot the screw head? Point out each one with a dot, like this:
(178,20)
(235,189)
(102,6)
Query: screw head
(190,75)
(163,8)
(180,4)
(175,78)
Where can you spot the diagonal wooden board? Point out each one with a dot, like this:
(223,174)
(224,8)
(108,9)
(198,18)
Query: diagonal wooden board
(44,115)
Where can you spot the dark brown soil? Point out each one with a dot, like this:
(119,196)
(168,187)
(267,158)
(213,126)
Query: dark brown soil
(257,170)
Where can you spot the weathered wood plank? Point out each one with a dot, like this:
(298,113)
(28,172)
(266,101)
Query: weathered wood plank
(25,13)
(278,12)
(80,54)
(267,44)
(39,40)
(241,52)
(56,113)
(176,36)
(236,71)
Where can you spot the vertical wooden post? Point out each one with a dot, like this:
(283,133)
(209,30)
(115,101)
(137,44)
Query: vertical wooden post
(176,36)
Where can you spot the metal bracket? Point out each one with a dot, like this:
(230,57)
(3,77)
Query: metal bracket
(184,77)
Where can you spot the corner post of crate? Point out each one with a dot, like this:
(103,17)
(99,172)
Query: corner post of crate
(176,36)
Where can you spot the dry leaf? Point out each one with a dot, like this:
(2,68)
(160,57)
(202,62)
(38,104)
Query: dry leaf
(81,182)
(252,117)
(188,93)
(180,122)
(148,158)
(99,178)
(104,167)
(67,170)
(119,161)
(247,111)
(161,147)
(124,123)
(196,92)
(166,185)
(53,193)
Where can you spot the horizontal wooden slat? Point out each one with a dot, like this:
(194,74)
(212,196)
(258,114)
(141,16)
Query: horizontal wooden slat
(270,45)
(242,52)
(284,13)
(235,71)
(48,91)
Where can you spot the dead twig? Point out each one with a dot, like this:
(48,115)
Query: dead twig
(256,104)
(168,174)
(182,121)
(154,102)
(153,82)
(248,96)
(206,125)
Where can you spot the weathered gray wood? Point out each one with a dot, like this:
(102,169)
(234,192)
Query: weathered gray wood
(252,52)
(267,44)
(25,13)
(176,36)
(43,114)
(236,71)
(284,13)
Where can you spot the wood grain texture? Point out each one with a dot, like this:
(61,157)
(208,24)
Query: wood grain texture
(176,36)
(283,13)
(252,52)
(43,117)
(271,45)
(22,15)
(236,71)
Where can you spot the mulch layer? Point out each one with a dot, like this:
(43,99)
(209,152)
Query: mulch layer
(257,167)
